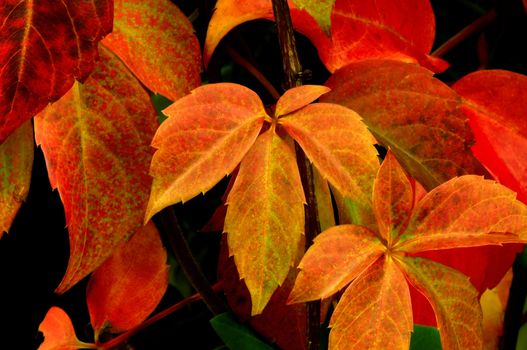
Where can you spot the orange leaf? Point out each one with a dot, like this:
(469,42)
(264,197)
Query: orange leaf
(141,28)
(96,145)
(495,104)
(298,97)
(337,256)
(409,111)
(59,333)
(205,137)
(16,161)
(374,312)
(393,198)
(127,287)
(324,204)
(454,300)
(265,216)
(466,211)
(323,131)
(44,46)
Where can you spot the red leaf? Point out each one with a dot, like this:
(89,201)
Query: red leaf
(298,97)
(393,198)
(454,300)
(44,46)
(200,142)
(59,333)
(141,28)
(265,216)
(96,144)
(374,312)
(127,287)
(337,256)
(16,161)
(495,102)
(409,111)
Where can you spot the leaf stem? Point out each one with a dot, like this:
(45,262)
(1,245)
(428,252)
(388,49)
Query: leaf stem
(236,57)
(157,317)
(472,28)
(292,72)
(169,225)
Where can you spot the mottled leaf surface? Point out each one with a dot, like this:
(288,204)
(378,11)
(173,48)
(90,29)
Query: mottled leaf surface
(454,300)
(298,97)
(337,256)
(323,131)
(16,162)
(496,103)
(374,312)
(409,111)
(44,46)
(205,137)
(464,212)
(319,10)
(265,216)
(96,145)
(59,333)
(127,287)
(143,28)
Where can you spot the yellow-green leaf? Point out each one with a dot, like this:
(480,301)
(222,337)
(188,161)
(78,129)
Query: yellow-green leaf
(320,10)
(265,216)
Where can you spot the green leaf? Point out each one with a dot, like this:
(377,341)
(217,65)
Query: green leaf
(425,338)
(160,102)
(236,335)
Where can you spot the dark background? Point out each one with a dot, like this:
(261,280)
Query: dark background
(34,255)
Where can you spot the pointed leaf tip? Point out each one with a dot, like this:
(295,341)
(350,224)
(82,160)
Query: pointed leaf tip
(59,333)
(298,97)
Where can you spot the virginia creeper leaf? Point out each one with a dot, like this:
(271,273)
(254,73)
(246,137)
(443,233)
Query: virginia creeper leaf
(319,10)
(127,287)
(326,214)
(464,212)
(236,335)
(205,137)
(141,29)
(59,333)
(454,300)
(374,312)
(393,198)
(494,101)
(44,46)
(96,145)
(337,256)
(298,97)
(323,130)
(16,161)
(425,338)
(409,111)
(265,216)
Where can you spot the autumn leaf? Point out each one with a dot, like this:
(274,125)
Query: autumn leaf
(319,10)
(96,145)
(141,29)
(59,333)
(205,137)
(349,164)
(298,97)
(411,112)
(347,253)
(44,47)
(265,216)
(128,286)
(16,161)
(377,312)
(494,102)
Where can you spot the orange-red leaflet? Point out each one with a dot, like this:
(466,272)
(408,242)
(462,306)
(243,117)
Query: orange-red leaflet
(127,287)
(59,333)
(96,142)
(209,132)
(140,29)
(455,214)
(16,161)
(495,102)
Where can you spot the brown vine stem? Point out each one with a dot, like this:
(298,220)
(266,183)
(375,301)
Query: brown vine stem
(157,317)
(169,225)
(236,57)
(292,72)
(472,28)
